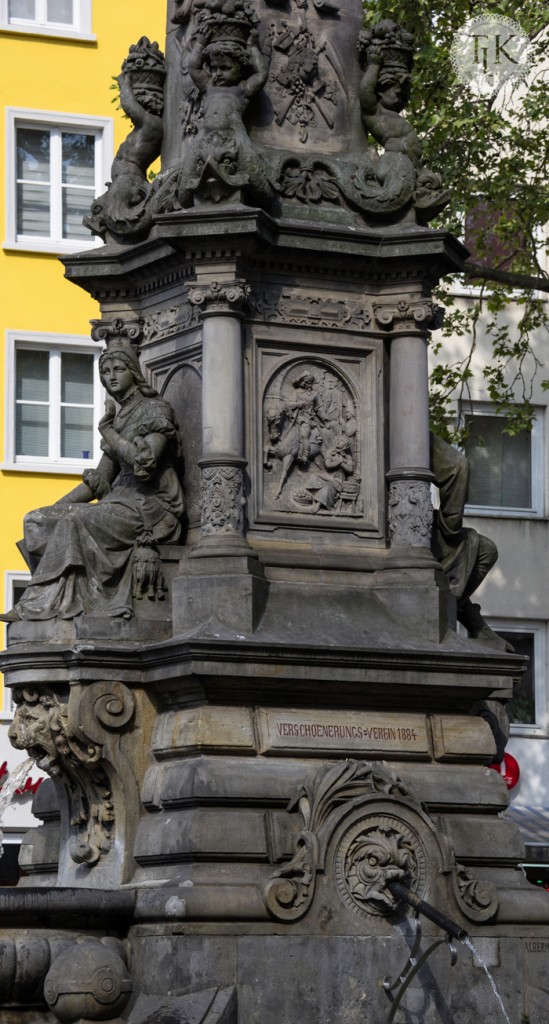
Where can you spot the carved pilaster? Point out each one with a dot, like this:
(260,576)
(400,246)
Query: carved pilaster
(410,513)
(223,500)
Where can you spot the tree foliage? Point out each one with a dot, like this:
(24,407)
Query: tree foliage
(493,154)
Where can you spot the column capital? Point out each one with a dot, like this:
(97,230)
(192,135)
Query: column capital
(108,330)
(408,316)
(216,299)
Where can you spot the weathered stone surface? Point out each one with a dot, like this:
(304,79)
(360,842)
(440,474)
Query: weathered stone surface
(224,808)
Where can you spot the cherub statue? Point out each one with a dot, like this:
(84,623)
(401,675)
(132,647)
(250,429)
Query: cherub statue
(227,68)
(386,53)
(123,209)
(397,175)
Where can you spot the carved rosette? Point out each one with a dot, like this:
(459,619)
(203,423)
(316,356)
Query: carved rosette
(42,726)
(410,513)
(376,850)
(223,501)
(408,317)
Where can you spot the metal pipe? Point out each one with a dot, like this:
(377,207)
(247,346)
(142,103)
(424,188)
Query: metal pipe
(421,907)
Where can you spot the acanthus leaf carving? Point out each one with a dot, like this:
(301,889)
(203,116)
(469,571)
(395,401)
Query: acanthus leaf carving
(290,891)
(477,898)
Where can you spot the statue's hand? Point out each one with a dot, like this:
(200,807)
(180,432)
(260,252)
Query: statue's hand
(108,416)
(374,55)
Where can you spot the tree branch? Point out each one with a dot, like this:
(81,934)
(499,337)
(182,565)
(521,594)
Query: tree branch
(507,277)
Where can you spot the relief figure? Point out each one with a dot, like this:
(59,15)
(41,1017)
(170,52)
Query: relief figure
(311,448)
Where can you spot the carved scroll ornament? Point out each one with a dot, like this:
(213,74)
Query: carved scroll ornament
(42,727)
(289,893)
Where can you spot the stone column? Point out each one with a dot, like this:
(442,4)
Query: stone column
(409,476)
(222,462)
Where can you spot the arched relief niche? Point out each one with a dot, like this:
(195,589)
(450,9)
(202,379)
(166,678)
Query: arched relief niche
(311,442)
(183,390)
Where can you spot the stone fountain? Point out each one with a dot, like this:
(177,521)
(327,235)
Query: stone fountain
(268,745)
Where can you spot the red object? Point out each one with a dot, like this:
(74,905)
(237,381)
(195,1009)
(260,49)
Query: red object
(510,770)
(29,785)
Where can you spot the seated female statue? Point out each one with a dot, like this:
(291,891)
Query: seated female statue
(94,551)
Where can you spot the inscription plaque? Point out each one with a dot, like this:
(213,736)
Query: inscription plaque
(340,732)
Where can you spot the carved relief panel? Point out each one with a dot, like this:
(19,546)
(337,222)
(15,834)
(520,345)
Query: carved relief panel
(317,439)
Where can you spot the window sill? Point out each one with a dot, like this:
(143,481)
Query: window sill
(68,469)
(49,32)
(51,248)
(493,512)
(525,732)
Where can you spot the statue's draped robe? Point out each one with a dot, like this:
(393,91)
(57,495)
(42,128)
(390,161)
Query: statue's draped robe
(84,551)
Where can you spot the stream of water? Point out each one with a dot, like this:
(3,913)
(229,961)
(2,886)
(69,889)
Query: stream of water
(13,781)
(467,942)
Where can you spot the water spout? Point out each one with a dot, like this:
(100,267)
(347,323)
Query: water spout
(422,907)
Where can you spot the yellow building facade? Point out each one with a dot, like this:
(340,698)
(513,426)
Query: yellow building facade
(60,131)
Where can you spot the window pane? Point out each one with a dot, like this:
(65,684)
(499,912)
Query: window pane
(500,465)
(77,378)
(76,433)
(76,205)
(22,9)
(33,210)
(78,159)
(32,376)
(60,11)
(33,154)
(31,430)
(522,709)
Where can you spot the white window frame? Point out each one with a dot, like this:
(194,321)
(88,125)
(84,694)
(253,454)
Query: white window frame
(55,344)
(539,631)
(103,130)
(537,474)
(81,28)
(10,579)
